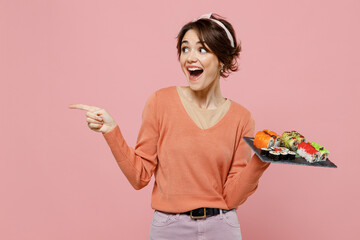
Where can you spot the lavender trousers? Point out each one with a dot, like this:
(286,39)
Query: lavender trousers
(167,226)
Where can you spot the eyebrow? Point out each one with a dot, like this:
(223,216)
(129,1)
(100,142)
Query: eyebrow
(185,41)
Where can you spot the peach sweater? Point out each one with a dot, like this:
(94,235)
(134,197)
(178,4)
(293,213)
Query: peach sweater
(204,118)
(193,167)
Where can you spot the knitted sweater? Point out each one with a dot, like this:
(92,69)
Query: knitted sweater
(193,167)
(203,118)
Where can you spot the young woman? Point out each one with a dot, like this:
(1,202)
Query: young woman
(191,140)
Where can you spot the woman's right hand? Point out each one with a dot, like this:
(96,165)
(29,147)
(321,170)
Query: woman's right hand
(97,118)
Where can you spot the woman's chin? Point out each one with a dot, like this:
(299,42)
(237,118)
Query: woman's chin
(197,88)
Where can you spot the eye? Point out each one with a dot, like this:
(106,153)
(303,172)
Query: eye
(203,50)
(185,49)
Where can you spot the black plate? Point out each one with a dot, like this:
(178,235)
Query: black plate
(297,161)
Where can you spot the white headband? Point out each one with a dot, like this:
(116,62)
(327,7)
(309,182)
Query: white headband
(208,16)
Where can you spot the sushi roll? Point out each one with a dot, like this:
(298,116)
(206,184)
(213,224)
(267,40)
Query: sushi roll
(274,155)
(308,152)
(281,149)
(323,153)
(293,144)
(265,151)
(283,155)
(277,138)
(283,136)
(263,140)
(298,136)
(291,140)
(291,155)
(266,139)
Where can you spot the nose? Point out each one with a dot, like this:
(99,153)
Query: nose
(192,57)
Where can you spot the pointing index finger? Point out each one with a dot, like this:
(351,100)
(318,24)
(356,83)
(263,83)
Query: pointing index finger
(83,107)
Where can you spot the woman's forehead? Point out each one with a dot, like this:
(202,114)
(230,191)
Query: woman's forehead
(191,37)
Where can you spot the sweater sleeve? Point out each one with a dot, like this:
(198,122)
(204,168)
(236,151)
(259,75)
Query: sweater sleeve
(244,175)
(137,164)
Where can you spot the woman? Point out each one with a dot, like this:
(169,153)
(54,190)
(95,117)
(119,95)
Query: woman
(191,140)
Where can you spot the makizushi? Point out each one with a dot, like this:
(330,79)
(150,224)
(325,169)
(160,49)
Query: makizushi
(274,155)
(283,155)
(265,151)
(291,155)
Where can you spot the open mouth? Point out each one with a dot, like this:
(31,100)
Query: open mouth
(195,72)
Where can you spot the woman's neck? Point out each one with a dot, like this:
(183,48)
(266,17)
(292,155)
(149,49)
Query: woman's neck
(208,98)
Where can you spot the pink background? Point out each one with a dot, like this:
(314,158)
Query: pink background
(59,180)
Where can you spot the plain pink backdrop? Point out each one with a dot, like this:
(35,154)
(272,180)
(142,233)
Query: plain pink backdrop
(59,180)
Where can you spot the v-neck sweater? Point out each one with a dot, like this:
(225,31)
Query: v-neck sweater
(203,118)
(193,167)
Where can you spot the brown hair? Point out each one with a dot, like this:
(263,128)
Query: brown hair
(214,36)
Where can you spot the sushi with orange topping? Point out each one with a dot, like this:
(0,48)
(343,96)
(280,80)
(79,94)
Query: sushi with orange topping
(266,139)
